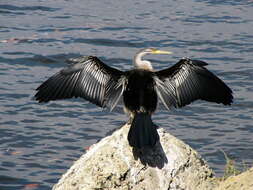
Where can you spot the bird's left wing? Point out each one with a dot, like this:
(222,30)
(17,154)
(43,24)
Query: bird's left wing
(187,81)
(88,78)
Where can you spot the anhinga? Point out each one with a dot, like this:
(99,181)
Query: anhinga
(140,88)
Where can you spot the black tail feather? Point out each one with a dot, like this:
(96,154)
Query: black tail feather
(142,132)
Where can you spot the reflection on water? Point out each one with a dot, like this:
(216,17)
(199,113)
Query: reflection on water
(39,142)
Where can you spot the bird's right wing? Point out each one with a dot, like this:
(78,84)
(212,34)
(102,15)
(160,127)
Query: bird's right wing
(88,78)
(187,81)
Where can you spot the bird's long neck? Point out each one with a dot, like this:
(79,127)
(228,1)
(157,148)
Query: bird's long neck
(142,64)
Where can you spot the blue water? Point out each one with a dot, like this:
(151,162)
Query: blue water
(39,142)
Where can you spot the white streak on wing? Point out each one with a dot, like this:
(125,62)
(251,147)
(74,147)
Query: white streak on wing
(165,92)
(122,84)
(97,84)
(176,87)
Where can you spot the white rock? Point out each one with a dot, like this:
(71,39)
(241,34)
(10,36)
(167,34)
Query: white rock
(112,164)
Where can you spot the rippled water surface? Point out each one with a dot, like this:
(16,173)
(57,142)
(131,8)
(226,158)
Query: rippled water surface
(39,142)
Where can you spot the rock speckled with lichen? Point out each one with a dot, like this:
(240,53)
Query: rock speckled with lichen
(112,164)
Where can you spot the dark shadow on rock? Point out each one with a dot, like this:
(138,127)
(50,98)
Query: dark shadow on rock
(151,156)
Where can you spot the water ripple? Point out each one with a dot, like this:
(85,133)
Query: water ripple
(226,2)
(27,8)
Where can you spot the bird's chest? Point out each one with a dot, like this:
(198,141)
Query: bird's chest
(139,93)
(139,80)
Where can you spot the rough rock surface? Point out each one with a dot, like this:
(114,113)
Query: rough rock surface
(113,164)
(243,181)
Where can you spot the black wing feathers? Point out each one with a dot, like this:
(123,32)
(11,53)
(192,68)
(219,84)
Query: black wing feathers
(88,78)
(189,80)
(177,86)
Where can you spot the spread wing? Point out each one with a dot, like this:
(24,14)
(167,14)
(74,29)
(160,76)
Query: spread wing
(187,81)
(88,78)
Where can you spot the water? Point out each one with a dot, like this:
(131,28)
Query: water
(39,142)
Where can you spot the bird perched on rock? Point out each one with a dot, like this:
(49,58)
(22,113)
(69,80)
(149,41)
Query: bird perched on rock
(140,89)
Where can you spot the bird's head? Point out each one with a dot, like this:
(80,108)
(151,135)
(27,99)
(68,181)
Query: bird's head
(153,51)
(144,64)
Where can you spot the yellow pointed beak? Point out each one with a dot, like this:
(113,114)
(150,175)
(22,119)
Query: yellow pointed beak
(156,51)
